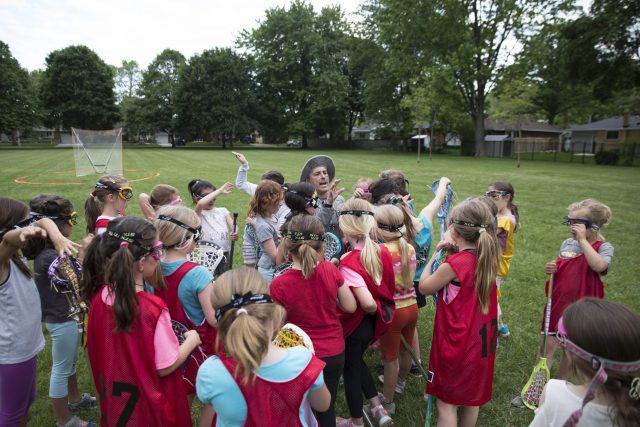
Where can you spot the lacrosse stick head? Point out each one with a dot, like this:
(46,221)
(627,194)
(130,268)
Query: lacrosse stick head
(532,390)
(332,246)
(291,335)
(65,273)
(282,268)
(207,254)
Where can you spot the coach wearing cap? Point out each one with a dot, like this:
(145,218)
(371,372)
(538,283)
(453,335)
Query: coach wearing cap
(320,172)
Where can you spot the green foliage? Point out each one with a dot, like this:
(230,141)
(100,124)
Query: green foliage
(158,90)
(127,79)
(213,98)
(297,60)
(77,90)
(19,106)
(607,157)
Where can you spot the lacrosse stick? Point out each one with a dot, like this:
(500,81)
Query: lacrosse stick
(532,390)
(179,330)
(207,254)
(233,242)
(332,246)
(425,374)
(291,335)
(443,210)
(282,268)
(65,273)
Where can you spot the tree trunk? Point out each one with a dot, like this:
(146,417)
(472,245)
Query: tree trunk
(304,141)
(479,126)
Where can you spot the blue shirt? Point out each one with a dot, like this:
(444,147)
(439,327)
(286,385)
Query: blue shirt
(194,282)
(423,246)
(215,386)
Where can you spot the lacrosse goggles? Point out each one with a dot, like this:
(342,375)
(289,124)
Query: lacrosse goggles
(496,194)
(196,233)
(71,219)
(600,364)
(125,193)
(156,251)
(567,220)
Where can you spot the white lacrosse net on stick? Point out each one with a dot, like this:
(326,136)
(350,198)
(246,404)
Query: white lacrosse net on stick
(97,151)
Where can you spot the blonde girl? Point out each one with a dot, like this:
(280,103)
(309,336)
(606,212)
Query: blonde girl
(602,342)
(263,207)
(258,383)
(160,195)
(583,259)
(107,201)
(187,284)
(131,345)
(310,292)
(368,271)
(22,338)
(465,330)
(391,231)
(501,193)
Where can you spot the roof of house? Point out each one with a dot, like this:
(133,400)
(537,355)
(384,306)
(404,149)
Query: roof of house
(496,138)
(491,124)
(612,123)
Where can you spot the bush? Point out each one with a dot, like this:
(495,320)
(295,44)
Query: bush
(607,157)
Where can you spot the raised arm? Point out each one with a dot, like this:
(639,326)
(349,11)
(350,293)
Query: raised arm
(430,210)
(202,203)
(241,177)
(145,206)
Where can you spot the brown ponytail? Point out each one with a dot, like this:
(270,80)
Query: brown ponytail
(307,251)
(507,187)
(12,212)
(480,229)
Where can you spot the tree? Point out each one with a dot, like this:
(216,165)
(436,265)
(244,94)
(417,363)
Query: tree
(19,108)
(468,38)
(213,97)
(128,77)
(77,90)
(158,88)
(300,83)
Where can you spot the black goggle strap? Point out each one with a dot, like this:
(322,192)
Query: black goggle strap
(238,301)
(355,213)
(195,231)
(130,238)
(468,224)
(103,186)
(391,228)
(587,222)
(300,235)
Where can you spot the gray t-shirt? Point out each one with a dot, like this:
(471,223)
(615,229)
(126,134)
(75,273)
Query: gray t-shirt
(266,229)
(55,305)
(20,330)
(571,248)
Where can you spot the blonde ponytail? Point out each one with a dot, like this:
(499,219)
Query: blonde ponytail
(487,267)
(370,258)
(357,221)
(303,238)
(247,330)
(309,258)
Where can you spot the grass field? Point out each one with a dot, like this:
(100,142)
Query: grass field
(543,191)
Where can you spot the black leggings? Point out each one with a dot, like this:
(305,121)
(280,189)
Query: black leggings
(357,378)
(331,372)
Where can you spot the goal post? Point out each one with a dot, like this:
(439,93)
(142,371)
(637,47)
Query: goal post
(97,151)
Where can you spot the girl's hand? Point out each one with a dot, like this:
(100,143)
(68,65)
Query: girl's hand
(550,267)
(234,235)
(358,193)
(30,232)
(333,194)
(226,188)
(65,246)
(240,157)
(448,246)
(443,184)
(192,338)
(579,231)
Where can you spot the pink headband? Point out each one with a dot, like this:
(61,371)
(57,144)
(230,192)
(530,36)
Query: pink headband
(600,364)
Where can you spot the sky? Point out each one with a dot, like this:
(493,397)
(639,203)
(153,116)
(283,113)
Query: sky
(137,30)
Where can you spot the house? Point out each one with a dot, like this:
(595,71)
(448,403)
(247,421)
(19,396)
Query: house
(527,135)
(607,134)
(366,131)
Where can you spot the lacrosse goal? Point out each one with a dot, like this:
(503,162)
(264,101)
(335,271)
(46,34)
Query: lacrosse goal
(97,151)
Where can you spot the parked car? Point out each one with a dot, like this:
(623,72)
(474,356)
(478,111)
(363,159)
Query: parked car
(247,139)
(294,143)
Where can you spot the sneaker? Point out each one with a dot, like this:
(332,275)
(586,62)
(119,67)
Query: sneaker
(86,401)
(389,407)
(381,416)
(517,402)
(346,422)
(76,422)
(415,371)
(399,385)
(504,330)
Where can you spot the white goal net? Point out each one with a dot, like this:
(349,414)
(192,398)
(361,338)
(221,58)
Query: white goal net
(97,151)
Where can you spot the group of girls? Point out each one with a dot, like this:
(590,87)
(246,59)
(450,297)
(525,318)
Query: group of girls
(138,283)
